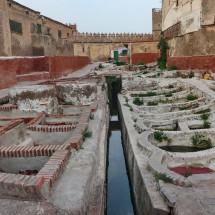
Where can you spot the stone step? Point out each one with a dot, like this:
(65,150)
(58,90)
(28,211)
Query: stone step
(33,76)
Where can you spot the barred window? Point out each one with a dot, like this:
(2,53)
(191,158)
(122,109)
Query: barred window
(39,29)
(15,27)
(59,34)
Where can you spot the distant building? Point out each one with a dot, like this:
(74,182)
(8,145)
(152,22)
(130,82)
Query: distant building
(25,32)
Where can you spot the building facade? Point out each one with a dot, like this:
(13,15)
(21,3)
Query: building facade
(25,32)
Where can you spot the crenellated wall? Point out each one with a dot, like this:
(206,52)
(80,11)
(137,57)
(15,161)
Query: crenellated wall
(109,38)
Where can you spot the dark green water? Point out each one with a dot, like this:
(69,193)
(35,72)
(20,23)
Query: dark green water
(180,149)
(119,198)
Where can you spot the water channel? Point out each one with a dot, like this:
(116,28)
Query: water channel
(119,195)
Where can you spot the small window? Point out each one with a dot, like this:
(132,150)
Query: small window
(49,31)
(83,49)
(39,29)
(67,35)
(59,34)
(15,27)
(176,2)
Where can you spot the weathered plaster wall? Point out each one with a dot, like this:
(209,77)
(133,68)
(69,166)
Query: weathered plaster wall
(194,44)
(187,12)
(5,48)
(208,12)
(31,42)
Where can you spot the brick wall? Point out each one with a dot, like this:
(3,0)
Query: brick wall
(7,73)
(60,66)
(195,62)
(144,58)
(56,66)
(125,59)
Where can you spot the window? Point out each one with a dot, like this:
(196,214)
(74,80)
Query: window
(15,27)
(39,29)
(176,2)
(49,31)
(67,35)
(59,34)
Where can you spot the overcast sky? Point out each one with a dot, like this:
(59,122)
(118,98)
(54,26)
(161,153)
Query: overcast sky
(103,16)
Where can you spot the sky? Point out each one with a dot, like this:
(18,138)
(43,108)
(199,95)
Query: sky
(103,16)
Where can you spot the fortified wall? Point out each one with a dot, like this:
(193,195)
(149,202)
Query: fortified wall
(25,32)
(189,27)
(98,46)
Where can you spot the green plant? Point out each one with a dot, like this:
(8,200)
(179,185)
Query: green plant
(162,46)
(191,74)
(86,134)
(164,178)
(205,116)
(148,94)
(171,86)
(200,141)
(152,103)
(203,111)
(172,68)
(120,63)
(169,94)
(101,66)
(160,136)
(206,124)
(191,97)
(131,109)
(137,101)
(145,72)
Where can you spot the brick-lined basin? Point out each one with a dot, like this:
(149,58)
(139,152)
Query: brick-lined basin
(48,161)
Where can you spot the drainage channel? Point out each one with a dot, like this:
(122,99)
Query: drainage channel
(119,196)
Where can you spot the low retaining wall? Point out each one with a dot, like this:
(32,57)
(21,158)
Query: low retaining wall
(144,58)
(147,199)
(193,62)
(55,67)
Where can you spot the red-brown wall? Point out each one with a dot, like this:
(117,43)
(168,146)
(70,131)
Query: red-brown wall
(7,73)
(194,62)
(59,66)
(144,58)
(56,66)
